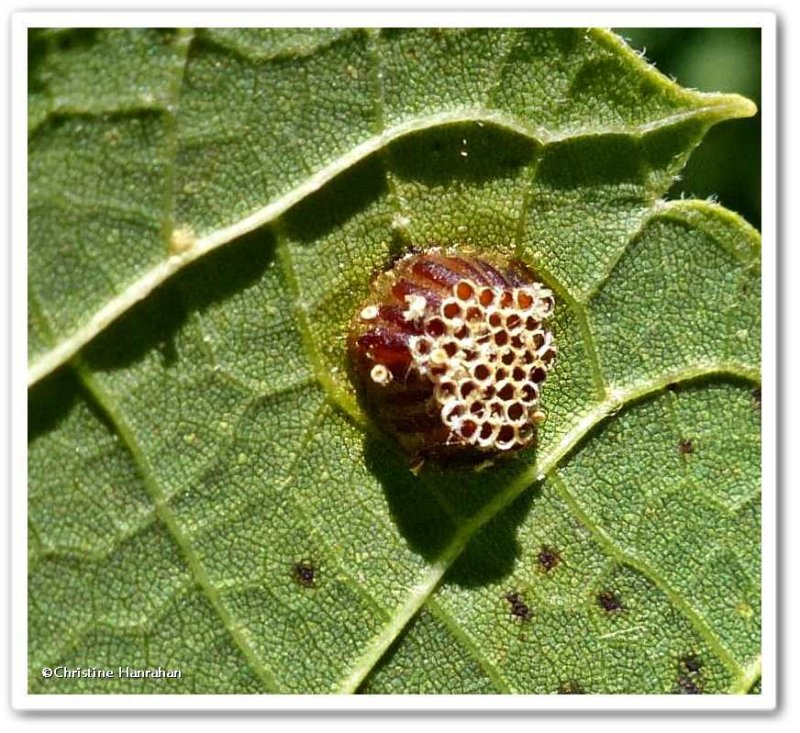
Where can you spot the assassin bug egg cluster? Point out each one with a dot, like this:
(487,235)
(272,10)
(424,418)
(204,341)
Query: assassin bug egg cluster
(451,353)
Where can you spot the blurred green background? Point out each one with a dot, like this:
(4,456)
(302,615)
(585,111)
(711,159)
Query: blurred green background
(727,165)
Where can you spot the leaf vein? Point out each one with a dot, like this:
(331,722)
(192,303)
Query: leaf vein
(170,521)
(147,282)
(337,396)
(427,586)
(695,618)
(465,640)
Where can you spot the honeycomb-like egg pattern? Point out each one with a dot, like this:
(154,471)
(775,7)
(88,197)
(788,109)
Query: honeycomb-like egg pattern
(451,353)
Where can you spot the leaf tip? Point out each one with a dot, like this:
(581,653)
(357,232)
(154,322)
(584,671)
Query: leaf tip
(733,106)
(743,107)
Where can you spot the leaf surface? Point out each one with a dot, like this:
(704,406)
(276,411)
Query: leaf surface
(207,210)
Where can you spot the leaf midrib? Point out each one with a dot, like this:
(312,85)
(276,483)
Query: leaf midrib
(724,107)
(423,592)
(168,518)
(615,401)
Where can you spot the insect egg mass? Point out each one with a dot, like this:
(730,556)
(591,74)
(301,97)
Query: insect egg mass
(451,353)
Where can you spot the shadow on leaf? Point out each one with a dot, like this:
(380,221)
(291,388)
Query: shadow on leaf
(50,401)
(616,160)
(492,553)
(341,199)
(417,503)
(464,151)
(610,160)
(154,322)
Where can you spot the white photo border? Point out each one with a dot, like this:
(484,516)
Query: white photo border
(22,700)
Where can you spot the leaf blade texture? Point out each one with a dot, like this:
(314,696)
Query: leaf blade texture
(207,209)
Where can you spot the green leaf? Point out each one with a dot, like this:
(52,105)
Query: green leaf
(207,210)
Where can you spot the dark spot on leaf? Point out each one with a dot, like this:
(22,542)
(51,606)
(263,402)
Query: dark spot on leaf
(756,395)
(519,609)
(548,558)
(305,574)
(692,663)
(609,601)
(689,675)
(687,686)
(570,687)
(685,447)
(672,386)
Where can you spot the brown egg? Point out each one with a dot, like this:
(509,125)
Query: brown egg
(450,353)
